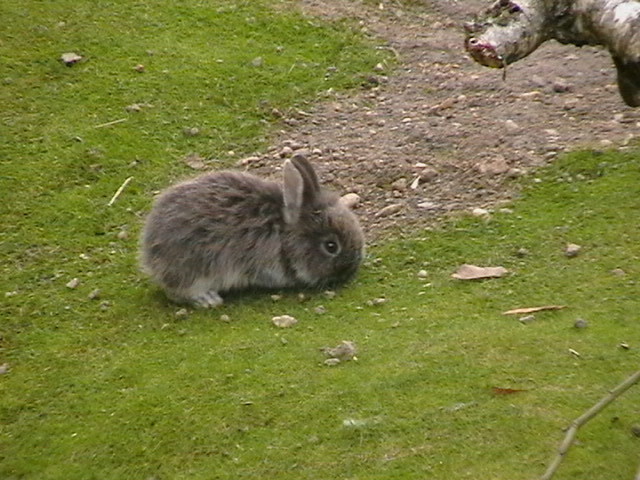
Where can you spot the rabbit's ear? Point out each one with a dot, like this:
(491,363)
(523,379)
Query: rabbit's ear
(311,183)
(292,190)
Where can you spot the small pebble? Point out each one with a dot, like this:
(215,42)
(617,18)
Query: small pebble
(243,162)
(284,321)
(560,85)
(73,283)
(351,200)
(345,351)
(139,68)
(331,362)
(400,185)
(4,368)
(428,205)
(618,272)
(511,125)
(276,298)
(70,58)
(527,319)
(191,131)
(480,212)
(624,346)
(428,174)
(225,318)
(581,323)
(183,312)
(330,294)
(389,210)
(134,107)
(572,250)
(123,235)
(95,294)
(522,252)
(635,430)
(423,274)
(320,310)
(376,301)
(285,152)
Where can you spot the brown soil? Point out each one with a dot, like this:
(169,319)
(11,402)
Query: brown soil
(452,124)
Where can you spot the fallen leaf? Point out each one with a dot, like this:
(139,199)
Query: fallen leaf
(518,311)
(473,272)
(194,161)
(506,391)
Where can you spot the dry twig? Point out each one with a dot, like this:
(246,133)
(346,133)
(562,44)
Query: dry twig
(584,418)
(113,122)
(119,191)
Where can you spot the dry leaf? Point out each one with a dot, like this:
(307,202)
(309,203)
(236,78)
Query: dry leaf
(518,311)
(195,161)
(506,391)
(473,272)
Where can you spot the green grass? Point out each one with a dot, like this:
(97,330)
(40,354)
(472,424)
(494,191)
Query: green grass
(121,387)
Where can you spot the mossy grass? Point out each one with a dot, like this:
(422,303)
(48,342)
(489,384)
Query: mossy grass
(122,386)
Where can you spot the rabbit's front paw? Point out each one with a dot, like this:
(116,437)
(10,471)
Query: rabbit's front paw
(208,299)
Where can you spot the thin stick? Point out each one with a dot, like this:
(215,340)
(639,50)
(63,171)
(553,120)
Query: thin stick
(584,418)
(113,122)
(119,191)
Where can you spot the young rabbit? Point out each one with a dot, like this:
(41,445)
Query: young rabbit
(230,230)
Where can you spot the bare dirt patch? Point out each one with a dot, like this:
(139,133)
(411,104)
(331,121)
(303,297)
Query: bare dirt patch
(440,133)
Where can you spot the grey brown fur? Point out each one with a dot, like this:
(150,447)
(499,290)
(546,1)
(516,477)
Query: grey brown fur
(229,230)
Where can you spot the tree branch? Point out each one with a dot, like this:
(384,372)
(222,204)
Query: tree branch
(584,418)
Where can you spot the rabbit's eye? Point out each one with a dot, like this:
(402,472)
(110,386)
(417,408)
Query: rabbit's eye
(331,247)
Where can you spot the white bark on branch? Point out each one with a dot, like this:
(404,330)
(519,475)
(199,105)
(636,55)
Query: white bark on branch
(511,29)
